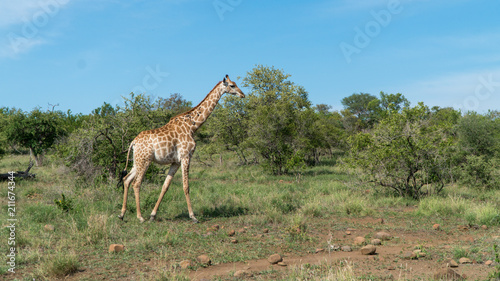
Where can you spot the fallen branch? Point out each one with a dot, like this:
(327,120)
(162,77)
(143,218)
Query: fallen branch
(19,174)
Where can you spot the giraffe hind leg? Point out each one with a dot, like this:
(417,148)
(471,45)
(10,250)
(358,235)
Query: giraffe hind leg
(168,180)
(126,183)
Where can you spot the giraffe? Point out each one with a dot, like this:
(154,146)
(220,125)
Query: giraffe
(172,144)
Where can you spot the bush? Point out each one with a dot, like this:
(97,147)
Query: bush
(405,152)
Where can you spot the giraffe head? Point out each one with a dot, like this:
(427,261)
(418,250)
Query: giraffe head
(231,88)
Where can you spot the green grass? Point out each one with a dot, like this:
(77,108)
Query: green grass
(294,209)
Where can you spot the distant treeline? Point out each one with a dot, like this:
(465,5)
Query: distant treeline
(412,150)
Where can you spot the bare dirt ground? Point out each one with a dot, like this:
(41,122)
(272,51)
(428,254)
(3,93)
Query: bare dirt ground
(390,261)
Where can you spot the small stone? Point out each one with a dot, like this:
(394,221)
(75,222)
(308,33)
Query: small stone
(488,262)
(116,248)
(368,250)
(242,274)
(242,230)
(231,232)
(359,240)
(346,249)
(234,241)
(320,250)
(452,263)
(49,227)
(348,232)
(265,230)
(215,227)
(485,227)
(204,260)
(382,236)
(380,220)
(436,226)
(464,260)
(185,264)
(447,274)
(334,247)
(391,267)
(274,259)
(376,242)
(281,263)
(409,255)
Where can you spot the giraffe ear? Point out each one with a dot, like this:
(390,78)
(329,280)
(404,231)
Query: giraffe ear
(225,81)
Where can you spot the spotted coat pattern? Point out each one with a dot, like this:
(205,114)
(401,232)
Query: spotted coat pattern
(172,144)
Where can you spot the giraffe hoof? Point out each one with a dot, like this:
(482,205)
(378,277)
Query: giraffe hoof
(195,220)
(152,218)
(142,220)
(120,217)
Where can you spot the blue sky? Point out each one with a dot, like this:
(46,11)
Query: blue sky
(82,53)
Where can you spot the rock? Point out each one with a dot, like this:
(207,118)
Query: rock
(348,232)
(281,263)
(447,274)
(436,227)
(376,242)
(382,236)
(185,264)
(409,255)
(274,259)
(49,227)
(380,220)
(359,240)
(334,247)
(464,260)
(213,228)
(242,230)
(234,241)
(204,260)
(231,232)
(265,230)
(488,262)
(116,248)
(451,263)
(485,227)
(346,249)
(242,274)
(368,250)
(320,250)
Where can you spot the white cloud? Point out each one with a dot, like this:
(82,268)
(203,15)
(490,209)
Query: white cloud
(22,21)
(476,91)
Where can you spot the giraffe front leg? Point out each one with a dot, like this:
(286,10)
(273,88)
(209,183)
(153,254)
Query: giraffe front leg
(185,184)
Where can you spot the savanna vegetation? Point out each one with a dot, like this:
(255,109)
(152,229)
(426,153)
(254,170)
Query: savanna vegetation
(271,160)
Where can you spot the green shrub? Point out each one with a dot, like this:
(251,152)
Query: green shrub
(64,204)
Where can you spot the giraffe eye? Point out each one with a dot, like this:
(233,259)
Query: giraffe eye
(232,86)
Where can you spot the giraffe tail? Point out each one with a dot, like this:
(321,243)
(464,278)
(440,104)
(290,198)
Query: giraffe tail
(124,172)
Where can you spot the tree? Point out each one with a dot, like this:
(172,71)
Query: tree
(276,114)
(36,130)
(176,104)
(361,106)
(405,152)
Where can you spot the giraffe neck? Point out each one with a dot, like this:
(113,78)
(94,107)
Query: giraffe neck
(200,113)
